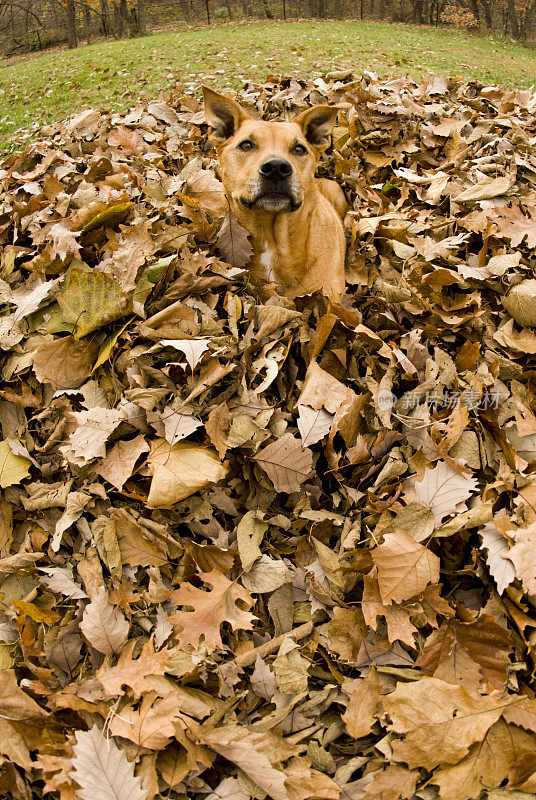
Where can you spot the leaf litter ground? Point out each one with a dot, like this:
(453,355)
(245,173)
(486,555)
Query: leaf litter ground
(254,548)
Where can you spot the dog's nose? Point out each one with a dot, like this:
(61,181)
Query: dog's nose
(275,169)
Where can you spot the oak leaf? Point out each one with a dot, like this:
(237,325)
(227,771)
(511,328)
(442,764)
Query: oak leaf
(151,725)
(133,672)
(210,610)
(360,714)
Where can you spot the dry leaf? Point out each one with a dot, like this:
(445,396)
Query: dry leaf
(180,470)
(101,769)
(104,625)
(286,463)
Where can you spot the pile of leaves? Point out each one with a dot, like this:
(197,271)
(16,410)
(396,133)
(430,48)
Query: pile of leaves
(259,548)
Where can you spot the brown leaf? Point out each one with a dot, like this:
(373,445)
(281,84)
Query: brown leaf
(286,463)
(233,242)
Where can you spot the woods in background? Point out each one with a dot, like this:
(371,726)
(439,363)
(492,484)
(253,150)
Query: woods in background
(28,25)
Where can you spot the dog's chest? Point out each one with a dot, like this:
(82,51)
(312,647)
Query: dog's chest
(267,260)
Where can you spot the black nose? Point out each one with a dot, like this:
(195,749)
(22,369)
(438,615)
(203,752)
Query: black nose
(275,169)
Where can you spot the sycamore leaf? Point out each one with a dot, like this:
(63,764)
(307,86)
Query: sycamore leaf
(313,425)
(101,769)
(13,468)
(233,242)
(90,299)
(210,609)
(444,490)
(286,463)
(180,470)
(498,561)
(405,567)
(193,349)
(104,625)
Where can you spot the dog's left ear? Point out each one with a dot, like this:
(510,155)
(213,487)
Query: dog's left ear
(317,123)
(222,113)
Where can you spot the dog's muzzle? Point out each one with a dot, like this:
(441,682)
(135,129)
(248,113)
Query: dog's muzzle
(274,189)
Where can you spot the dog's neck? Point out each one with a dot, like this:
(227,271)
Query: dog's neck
(278,241)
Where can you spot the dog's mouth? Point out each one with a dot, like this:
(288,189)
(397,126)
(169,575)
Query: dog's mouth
(272,201)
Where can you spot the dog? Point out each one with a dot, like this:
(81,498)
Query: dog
(293,218)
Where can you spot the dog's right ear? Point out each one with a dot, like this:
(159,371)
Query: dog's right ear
(222,113)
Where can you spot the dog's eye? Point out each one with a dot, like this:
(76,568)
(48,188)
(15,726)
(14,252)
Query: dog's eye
(246,145)
(299,150)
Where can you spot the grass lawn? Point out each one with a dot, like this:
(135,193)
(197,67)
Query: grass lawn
(38,89)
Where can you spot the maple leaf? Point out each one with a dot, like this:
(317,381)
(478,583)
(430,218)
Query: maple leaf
(286,463)
(102,769)
(210,610)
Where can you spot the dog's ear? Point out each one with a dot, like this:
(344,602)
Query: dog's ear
(317,123)
(222,113)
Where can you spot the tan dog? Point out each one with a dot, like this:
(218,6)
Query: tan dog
(294,219)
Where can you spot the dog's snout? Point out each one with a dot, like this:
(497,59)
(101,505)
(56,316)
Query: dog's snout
(275,169)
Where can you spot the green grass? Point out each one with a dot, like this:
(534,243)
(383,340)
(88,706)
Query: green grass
(39,89)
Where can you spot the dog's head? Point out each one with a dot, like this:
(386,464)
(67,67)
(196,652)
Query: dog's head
(267,166)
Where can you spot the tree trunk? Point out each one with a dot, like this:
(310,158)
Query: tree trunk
(142,18)
(267,9)
(71,25)
(512,19)
(105,20)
